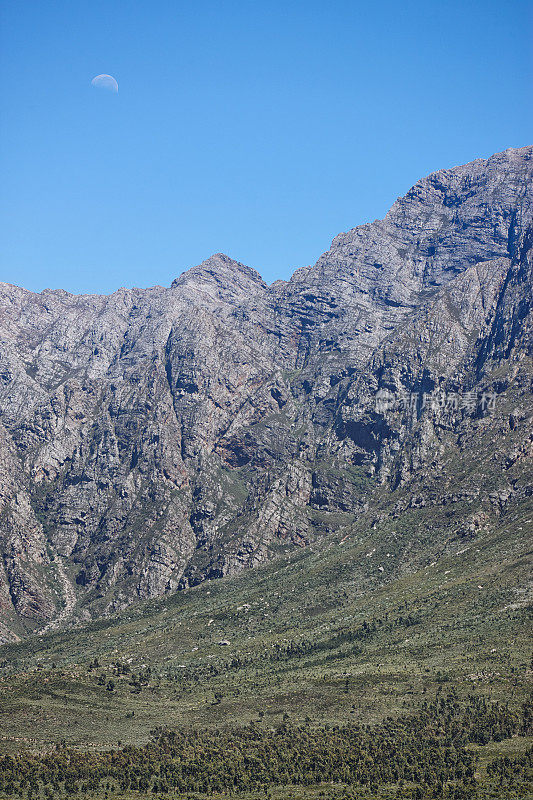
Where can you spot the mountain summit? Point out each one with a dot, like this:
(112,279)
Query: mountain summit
(227,277)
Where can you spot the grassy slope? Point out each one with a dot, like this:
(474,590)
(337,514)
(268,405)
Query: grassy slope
(471,637)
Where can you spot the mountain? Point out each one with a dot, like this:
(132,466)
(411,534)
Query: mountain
(155,438)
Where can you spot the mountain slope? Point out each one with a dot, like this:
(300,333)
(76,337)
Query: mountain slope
(155,438)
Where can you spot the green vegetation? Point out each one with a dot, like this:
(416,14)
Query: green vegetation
(423,755)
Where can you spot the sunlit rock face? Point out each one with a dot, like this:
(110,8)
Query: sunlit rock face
(155,438)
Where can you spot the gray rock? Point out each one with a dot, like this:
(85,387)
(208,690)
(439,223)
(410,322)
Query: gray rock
(155,438)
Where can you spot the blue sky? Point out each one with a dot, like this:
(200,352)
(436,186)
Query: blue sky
(257,129)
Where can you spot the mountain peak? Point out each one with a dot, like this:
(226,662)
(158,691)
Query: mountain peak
(223,271)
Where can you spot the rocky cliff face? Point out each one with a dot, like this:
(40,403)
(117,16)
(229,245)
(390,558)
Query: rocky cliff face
(154,438)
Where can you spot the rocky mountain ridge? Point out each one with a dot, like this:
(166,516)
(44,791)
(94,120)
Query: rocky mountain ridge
(151,439)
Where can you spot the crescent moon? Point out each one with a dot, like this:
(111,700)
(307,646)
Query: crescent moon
(106,82)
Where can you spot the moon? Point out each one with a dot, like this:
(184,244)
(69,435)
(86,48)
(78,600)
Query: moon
(106,82)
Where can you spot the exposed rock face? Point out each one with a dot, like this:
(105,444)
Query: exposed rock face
(154,438)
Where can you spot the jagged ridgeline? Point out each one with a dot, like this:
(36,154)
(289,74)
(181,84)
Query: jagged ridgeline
(155,438)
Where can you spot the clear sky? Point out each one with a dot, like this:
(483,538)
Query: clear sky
(260,129)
